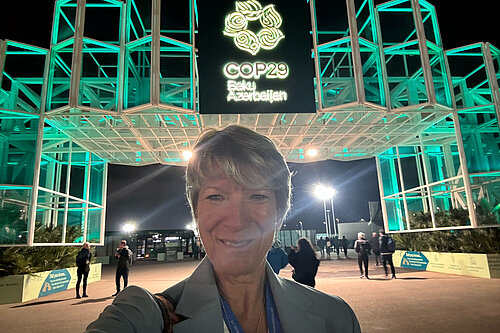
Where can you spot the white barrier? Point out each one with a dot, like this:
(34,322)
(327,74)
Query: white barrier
(22,288)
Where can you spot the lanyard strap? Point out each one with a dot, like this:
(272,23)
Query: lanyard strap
(273,320)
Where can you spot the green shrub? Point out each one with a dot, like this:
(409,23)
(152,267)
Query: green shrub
(485,240)
(30,260)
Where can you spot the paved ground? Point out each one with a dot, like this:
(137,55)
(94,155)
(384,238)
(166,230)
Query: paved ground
(415,302)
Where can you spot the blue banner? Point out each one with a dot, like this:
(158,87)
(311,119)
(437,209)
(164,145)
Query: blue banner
(55,282)
(415,260)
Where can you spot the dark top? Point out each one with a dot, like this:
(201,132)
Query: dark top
(362,247)
(83,260)
(321,243)
(375,243)
(277,258)
(124,260)
(344,242)
(383,245)
(305,267)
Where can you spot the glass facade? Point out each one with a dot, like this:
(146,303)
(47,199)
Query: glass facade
(450,176)
(51,188)
(70,206)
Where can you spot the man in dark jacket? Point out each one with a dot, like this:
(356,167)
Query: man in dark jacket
(387,247)
(345,243)
(83,263)
(124,256)
(375,244)
(321,244)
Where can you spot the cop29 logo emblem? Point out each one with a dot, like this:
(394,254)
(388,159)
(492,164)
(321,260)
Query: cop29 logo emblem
(236,26)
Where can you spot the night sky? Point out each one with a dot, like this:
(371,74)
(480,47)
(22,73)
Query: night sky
(152,196)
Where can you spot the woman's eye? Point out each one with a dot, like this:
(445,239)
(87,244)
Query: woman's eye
(214,197)
(258,196)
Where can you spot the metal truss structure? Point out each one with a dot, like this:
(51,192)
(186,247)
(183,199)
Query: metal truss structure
(125,92)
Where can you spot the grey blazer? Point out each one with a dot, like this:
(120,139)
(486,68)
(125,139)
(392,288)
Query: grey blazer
(300,308)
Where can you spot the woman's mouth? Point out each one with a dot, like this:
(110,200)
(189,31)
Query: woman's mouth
(236,244)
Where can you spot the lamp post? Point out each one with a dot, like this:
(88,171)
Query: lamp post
(324,193)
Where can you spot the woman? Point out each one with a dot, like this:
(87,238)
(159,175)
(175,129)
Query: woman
(362,248)
(83,263)
(304,262)
(238,186)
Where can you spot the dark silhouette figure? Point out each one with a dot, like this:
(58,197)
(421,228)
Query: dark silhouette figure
(83,263)
(345,243)
(362,248)
(304,262)
(375,244)
(328,244)
(321,244)
(124,256)
(336,244)
(387,248)
(196,248)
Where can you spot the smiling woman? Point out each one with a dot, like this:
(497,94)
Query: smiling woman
(238,186)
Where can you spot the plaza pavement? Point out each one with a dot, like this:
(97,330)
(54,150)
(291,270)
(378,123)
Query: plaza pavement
(415,302)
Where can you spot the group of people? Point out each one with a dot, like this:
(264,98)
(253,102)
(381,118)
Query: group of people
(124,258)
(305,263)
(382,246)
(333,244)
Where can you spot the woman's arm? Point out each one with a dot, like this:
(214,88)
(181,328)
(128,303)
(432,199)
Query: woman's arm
(134,310)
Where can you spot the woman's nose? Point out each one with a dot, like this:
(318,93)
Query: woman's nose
(236,213)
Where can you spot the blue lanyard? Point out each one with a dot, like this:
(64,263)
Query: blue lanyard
(273,320)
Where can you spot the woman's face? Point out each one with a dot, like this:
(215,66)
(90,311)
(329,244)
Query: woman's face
(236,224)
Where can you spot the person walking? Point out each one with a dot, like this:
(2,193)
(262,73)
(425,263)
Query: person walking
(336,245)
(321,244)
(328,245)
(362,248)
(375,244)
(277,257)
(345,243)
(304,262)
(124,256)
(83,263)
(196,248)
(387,248)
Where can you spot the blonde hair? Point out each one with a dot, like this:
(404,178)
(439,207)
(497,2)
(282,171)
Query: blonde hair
(361,235)
(246,157)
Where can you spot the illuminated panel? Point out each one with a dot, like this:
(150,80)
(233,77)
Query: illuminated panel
(255,57)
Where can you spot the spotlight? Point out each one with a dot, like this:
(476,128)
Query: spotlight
(312,152)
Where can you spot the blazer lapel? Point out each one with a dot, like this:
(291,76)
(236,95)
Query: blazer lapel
(293,308)
(199,302)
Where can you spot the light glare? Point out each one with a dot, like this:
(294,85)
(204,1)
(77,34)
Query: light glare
(128,227)
(323,192)
(312,152)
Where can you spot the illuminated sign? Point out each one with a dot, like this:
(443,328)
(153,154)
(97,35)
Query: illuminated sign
(236,26)
(255,57)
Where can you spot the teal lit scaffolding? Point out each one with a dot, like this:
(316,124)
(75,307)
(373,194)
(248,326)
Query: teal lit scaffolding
(125,90)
